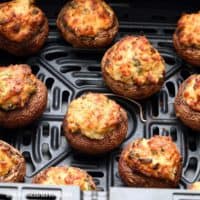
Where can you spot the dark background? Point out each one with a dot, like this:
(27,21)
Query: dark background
(137,10)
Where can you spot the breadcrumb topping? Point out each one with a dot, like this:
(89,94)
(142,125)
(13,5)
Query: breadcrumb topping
(20,20)
(88,17)
(93,115)
(17,84)
(133,60)
(66,176)
(191,93)
(156,157)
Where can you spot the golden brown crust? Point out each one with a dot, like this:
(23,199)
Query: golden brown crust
(100,38)
(191,93)
(189,54)
(65,176)
(111,139)
(133,86)
(94,115)
(94,147)
(23,27)
(188,116)
(31,111)
(17,170)
(194,186)
(136,174)
(186,38)
(17,85)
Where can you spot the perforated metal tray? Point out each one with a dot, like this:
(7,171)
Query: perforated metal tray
(69,72)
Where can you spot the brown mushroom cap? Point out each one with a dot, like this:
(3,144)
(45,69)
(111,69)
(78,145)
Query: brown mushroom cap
(23,27)
(188,116)
(190,54)
(94,147)
(130,68)
(30,112)
(135,176)
(100,39)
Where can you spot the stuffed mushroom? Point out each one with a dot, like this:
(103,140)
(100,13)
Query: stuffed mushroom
(23,27)
(187,102)
(12,164)
(186,38)
(154,162)
(95,124)
(23,97)
(133,68)
(88,23)
(65,176)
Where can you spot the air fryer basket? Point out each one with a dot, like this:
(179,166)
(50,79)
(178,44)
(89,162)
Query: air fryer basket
(69,72)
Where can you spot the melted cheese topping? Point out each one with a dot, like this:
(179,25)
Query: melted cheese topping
(191,93)
(68,176)
(6,163)
(94,115)
(19,6)
(17,84)
(88,17)
(133,60)
(188,30)
(9,159)
(20,20)
(157,157)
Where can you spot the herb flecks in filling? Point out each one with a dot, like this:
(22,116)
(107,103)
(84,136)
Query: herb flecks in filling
(134,61)
(17,85)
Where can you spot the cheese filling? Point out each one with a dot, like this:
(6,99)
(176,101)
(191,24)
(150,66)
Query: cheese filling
(94,115)
(89,17)
(68,176)
(134,61)
(191,93)
(6,163)
(20,20)
(17,84)
(188,30)
(154,157)
(195,186)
